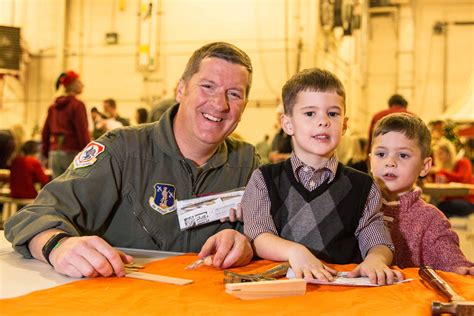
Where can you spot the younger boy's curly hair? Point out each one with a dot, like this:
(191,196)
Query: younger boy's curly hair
(408,124)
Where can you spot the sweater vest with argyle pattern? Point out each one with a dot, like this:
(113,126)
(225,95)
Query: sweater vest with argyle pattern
(324,219)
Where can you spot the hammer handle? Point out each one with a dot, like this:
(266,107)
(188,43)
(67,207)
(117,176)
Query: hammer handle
(428,274)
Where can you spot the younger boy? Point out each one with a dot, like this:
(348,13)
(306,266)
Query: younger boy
(420,232)
(310,207)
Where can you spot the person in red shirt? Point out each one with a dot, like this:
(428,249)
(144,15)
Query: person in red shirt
(396,103)
(25,171)
(65,130)
(450,168)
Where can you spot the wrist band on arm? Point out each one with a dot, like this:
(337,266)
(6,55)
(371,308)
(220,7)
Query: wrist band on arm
(52,243)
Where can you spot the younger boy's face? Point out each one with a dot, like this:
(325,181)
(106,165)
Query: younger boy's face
(396,163)
(316,125)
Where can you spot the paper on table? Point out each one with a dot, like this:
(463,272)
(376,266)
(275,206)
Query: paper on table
(202,210)
(342,280)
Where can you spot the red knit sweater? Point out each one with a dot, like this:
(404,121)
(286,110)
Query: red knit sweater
(422,235)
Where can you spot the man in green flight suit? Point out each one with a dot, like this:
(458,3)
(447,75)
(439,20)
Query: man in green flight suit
(112,194)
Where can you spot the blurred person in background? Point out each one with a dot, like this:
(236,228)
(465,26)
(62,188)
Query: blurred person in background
(97,119)
(65,131)
(10,144)
(281,143)
(451,168)
(359,157)
(264,148)
(110,109)
(141,116)
(396,103)
(26,171)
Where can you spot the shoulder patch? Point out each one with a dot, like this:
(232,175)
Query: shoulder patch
(88,156)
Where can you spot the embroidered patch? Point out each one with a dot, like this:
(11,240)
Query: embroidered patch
(88,156)
(164,198)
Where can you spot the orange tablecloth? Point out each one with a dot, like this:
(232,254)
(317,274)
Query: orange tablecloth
(206,296)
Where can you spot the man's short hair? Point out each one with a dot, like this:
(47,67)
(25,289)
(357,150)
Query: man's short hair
(313,79)
(397,99)
(222,50)
(111,103)
(408,124)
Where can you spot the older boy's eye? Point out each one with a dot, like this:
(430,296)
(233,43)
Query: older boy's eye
(404,156)
(379,154)
(333,114)
(310,114)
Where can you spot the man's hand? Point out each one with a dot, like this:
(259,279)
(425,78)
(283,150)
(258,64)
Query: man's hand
(306,265)
(375,267)
(88,256)
(229,247)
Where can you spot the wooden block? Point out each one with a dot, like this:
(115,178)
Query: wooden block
(267,289)
(158,278)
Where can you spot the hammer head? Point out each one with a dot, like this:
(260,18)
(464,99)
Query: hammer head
(460,308)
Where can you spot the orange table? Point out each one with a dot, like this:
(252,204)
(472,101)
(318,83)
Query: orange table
(206,296)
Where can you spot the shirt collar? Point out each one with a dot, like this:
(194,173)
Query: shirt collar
(330,165)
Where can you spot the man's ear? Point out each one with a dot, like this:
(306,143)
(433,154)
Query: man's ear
(425,168)
(180,90)
(344,125)
(286,124)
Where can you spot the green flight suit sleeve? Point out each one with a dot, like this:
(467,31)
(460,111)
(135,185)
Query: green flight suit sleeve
(80,202)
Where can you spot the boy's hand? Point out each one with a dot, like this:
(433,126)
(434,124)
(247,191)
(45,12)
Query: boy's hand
(464,270)
(235,214)
(306,265)
(377,272)
(375,267)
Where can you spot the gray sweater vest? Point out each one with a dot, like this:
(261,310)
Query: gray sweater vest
(325,219)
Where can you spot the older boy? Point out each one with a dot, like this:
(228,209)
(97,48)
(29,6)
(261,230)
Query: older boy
(421,233)
(311,207)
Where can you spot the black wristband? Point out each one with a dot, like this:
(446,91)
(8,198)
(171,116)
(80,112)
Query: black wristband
(51,244)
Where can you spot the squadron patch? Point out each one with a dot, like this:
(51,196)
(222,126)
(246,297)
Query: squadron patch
(88,156)
(164,198)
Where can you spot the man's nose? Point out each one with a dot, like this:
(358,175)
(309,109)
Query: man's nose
(220,100)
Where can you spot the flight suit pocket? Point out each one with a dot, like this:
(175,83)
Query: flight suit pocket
(147,219)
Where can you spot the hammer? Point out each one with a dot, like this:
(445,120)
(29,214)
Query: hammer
(457,305)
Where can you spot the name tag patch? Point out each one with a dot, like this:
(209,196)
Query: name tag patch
(88,156)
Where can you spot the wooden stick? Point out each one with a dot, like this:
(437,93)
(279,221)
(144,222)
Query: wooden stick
(158,278)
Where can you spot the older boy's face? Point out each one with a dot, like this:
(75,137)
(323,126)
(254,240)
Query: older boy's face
(316,126)
(396,163)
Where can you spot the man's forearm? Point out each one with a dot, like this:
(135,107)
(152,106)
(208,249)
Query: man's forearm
(37,243)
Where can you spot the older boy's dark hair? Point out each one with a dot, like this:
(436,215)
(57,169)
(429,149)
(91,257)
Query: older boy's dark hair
(222,50)
(408,124)
(313,79)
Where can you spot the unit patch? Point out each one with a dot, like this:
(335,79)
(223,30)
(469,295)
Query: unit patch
(88,156)
(164,199)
